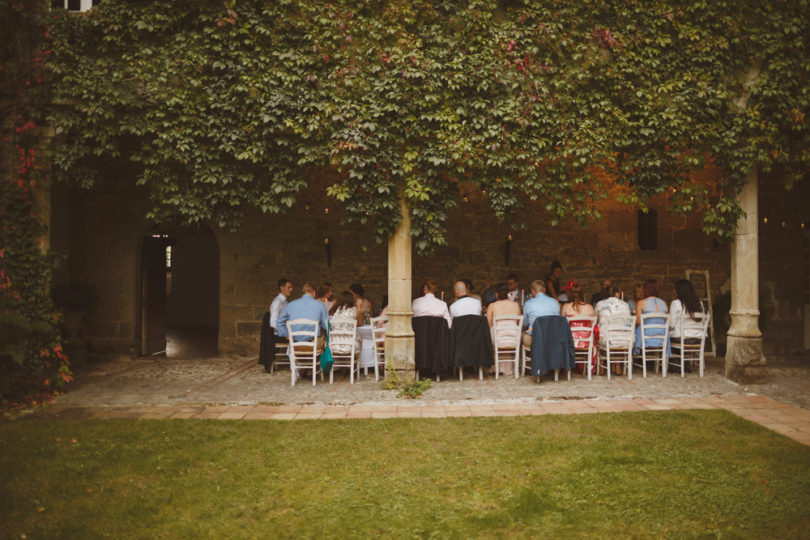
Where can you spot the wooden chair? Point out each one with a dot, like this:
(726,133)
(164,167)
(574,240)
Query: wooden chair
(582,327)
(378,327)
(345,332)
(691,348)
(507,342)
(304,352)
(616,339)
(654,328)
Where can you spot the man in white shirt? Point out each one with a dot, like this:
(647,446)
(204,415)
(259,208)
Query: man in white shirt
(428,305)
(278,304)
(464,305)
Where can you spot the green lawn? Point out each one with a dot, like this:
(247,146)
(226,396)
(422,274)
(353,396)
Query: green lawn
(670,474)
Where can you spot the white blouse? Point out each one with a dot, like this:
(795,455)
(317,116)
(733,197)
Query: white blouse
(675,312)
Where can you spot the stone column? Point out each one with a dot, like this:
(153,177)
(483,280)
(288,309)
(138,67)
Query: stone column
(745,362)
(399,347)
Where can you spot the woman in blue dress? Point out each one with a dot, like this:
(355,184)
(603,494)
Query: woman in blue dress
(651,303)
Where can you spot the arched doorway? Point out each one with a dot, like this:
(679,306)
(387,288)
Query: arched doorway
(179,293)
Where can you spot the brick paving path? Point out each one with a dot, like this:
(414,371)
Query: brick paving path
(783,418)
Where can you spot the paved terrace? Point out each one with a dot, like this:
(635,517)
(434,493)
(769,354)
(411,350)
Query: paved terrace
(237,388)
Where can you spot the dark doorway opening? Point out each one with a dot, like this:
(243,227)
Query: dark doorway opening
(180,293)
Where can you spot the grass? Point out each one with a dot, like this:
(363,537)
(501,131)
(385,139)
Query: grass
(649,474)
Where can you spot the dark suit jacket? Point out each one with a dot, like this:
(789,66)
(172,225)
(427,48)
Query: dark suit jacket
(471,341)
(431,344)
(552,344)
(266,343)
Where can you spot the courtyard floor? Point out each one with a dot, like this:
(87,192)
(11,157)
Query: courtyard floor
(235,387)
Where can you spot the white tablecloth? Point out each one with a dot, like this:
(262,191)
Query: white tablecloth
(367,358)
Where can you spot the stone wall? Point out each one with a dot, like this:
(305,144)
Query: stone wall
(103,233)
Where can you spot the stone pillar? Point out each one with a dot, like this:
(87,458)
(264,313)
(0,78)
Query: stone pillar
(745,362)
(399,348)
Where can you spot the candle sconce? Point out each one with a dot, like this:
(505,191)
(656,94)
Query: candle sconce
(507,249)
(328,248)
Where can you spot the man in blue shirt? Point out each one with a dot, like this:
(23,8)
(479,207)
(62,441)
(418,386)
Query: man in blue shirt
(541,305)
(305,307)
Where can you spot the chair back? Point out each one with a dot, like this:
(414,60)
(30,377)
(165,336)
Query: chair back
(654,332)
(343,337)
(302,334)
(694,326)
(506,331)
(378,327)
(583,326)
(619,332)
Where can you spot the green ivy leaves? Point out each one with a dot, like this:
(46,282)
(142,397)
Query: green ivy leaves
(549,106)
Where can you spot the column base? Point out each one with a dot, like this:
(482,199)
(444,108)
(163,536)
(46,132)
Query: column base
(745,363)
(399,351)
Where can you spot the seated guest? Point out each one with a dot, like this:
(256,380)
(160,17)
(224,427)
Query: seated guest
(607,308)
(601,295)
(638,294)
(278,304)
(464,305)
(305,307)
(325,295)
(686,302)
(515,293)
(343,312)
(651,303)
(428,305)
(553,281)
(488,296)
(470,289)
(539,306)
(576,306)
(363,304)
(504,306)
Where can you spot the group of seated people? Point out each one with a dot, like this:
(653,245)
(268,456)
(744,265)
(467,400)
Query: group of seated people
(570,301)
(319,305)
(546,298)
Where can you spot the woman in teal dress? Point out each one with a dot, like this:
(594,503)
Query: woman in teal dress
(651,303)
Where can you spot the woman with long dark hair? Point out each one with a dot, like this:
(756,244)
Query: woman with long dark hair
(686,303)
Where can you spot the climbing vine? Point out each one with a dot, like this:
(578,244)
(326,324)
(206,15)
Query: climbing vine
(547,106)
(31,359)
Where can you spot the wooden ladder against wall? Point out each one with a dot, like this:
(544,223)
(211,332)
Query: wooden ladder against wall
(700,281)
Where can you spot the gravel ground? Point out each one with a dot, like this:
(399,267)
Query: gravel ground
(237,380)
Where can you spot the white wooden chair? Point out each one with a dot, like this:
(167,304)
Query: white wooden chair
(280,356)
(616,338)
(342,343)
(304,353)
(691,348)
(583,344)
(654,328)
(378,327)
(507,342)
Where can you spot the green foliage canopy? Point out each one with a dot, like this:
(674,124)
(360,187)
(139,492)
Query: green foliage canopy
(546,105)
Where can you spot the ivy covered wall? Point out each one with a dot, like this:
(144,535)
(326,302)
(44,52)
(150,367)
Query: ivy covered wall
(220,107)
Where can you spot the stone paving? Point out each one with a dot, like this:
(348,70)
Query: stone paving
(237,388)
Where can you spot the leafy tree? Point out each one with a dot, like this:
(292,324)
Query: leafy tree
(545,105)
